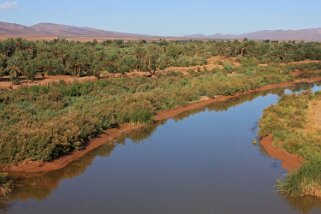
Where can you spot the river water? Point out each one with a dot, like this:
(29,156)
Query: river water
(201,162)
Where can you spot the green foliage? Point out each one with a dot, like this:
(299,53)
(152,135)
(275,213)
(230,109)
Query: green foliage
(305,182)
(250,61)
(141,116)
(287,114)
(228,67)
(19,57)
(286,122)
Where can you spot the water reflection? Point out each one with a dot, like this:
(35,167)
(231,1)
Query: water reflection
(304,204)
(141,135)
(40,186)
(226,105)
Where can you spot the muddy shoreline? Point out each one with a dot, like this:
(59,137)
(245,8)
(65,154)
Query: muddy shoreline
(112,134)
(290,162)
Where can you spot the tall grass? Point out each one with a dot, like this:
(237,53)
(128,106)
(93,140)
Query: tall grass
(287,123)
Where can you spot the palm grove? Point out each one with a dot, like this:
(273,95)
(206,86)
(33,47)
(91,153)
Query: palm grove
(19,57)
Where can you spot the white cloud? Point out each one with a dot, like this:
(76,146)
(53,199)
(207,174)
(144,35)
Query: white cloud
(8,5)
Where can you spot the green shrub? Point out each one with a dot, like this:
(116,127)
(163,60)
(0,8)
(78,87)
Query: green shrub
(228,67)
(141,116)
(304,182)
(249,62)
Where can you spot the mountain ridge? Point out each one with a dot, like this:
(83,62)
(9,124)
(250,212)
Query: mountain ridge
(60,30)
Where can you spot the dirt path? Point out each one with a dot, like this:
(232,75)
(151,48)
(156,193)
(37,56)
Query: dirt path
(5,82)
(301,62)
(112,134)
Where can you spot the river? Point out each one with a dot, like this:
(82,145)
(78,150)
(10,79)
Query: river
(199,162)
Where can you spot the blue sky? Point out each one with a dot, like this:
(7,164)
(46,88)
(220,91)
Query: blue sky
(167,17)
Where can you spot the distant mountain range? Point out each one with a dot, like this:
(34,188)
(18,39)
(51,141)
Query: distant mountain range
(312,34)
(57,30)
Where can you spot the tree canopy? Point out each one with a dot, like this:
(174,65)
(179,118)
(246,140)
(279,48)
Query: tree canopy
(20,57)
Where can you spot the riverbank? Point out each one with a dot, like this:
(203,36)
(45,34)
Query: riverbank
(290,162)
(106,137)
(291,133)
(112,134)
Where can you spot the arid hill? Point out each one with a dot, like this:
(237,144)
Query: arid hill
(12,29)
(313,34)
(50,30)
(65,30)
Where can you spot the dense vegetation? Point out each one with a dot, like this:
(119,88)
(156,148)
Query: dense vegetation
(27,58)
(44,122)
(287,123)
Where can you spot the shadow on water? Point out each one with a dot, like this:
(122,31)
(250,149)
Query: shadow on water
(40,186)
